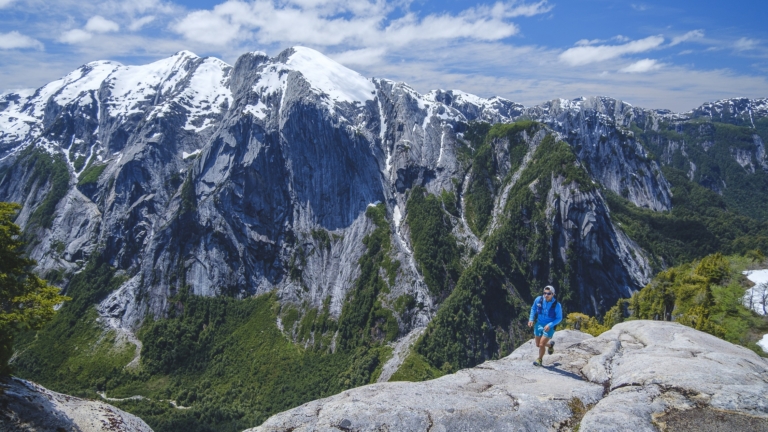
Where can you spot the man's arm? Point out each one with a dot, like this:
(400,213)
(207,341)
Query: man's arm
(558,315)
(532,316)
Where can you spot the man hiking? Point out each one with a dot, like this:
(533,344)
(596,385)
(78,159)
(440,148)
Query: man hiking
(546,314)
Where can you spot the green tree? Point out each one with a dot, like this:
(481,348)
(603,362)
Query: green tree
(756,256)
(26,301)
(585,323)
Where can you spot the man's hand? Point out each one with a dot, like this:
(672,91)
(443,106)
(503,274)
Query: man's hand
(546,328)
(530,323)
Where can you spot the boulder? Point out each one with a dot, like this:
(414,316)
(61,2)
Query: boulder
(641,375)
(26,406)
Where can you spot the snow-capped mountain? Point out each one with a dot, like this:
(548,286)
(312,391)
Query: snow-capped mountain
(190,172)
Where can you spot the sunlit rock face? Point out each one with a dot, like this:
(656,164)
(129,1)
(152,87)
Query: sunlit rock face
(637,376)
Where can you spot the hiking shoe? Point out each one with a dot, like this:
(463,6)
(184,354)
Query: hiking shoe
(551,348)
(537,362)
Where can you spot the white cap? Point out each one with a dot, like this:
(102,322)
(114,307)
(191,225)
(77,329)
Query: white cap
(551,288)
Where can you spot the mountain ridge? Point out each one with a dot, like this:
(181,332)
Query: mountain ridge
(100,120)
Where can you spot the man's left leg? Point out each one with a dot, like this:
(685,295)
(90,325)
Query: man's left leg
(538,331)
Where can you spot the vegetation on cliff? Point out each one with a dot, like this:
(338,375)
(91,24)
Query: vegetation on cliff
(489,305)
(26,301)
(711,152)
(434,247)
(700,223)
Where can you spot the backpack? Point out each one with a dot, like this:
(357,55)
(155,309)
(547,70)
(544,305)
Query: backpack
(551,313)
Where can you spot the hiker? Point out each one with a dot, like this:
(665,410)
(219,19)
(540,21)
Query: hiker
(546,314)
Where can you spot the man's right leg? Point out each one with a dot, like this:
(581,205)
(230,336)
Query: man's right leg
(543,346)
(537,332)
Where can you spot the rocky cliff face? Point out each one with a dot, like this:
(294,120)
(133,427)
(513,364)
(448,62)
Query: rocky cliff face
(736,110)
(641,375)
(598,130)
(190,174)
(26,406)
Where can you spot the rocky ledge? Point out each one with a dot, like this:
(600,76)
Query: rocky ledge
(639,376)
(26,406)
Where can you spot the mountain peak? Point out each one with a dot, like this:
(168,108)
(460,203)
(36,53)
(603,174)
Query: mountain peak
(340,83)
(185,54)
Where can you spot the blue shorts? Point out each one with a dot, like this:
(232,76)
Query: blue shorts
(538,330)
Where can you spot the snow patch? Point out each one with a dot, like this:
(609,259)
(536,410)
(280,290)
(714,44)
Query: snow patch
(271,80)
(185,155)
(397,216)
(757,296)
(132,87)
(341,84)
(86,78)
(763,343)
(469,98)
(259,110)
(207,93)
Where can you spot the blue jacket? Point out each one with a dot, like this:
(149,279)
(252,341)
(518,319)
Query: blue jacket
(543,312)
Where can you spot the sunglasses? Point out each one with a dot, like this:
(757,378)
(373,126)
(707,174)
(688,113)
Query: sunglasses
(547,293)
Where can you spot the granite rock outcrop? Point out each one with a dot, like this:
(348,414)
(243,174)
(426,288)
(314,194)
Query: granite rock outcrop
(641,375)
(26,407)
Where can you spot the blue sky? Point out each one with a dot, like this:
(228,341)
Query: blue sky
(655,54)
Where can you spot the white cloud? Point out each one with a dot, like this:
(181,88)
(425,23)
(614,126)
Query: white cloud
(525,75)
(644,65)
(16,40)
(360,57)
(745,44)
(75,36)
(527,10)
(582,55)
(143,6)
(588,42)
(691,35)
(137,24)
(5,3)
(207,27)
(99,24)
(96,24)
(394,39)
(357,25)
